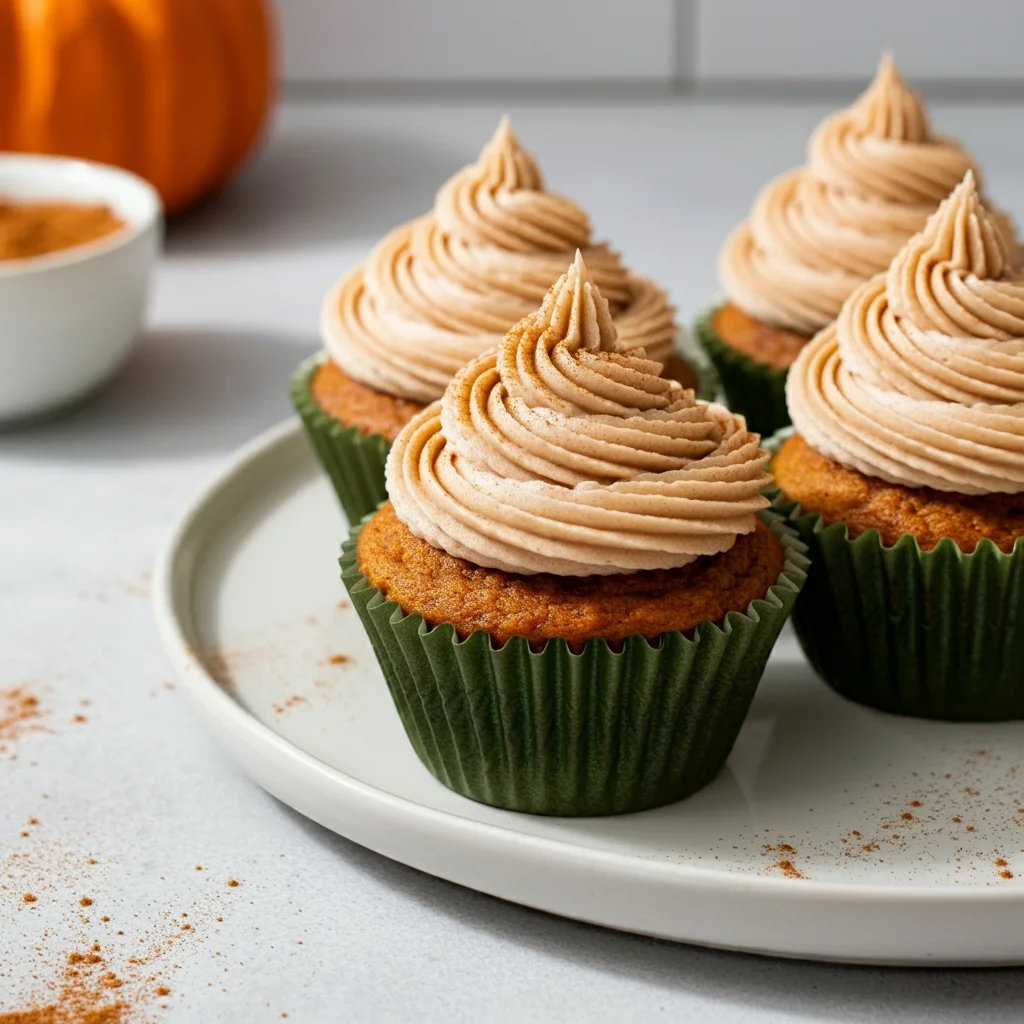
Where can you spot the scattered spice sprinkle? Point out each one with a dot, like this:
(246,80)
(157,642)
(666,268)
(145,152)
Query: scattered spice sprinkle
(233,882)
(339,659)
(20,713)
(289,703)
(223,665)
(785,864)
(786,867)
(80,981)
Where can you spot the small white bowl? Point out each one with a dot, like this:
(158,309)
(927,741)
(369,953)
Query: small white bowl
(68,319)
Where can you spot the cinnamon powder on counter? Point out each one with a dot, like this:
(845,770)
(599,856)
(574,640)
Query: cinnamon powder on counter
(20,712)
(87,994)
(84,977)
(35,229)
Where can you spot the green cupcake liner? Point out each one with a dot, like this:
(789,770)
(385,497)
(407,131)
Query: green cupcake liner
(354,461)
(755,389)
(553,732)
(934,634)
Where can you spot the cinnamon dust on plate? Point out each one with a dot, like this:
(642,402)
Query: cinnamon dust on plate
(785,855)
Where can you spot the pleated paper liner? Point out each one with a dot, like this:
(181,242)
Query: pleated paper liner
(354,461)
(755,389)
(552,732)
(934,634)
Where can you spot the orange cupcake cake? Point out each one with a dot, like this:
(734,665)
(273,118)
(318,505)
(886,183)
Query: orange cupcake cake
(908,467)
(566,504)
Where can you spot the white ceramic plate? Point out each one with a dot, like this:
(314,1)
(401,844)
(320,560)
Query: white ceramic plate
(834,833)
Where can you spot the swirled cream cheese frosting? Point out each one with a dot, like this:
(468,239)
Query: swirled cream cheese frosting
(438,291)
(874,175)
(921,380)
(564,451)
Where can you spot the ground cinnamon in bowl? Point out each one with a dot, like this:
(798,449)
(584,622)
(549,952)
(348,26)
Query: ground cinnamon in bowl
(36,229)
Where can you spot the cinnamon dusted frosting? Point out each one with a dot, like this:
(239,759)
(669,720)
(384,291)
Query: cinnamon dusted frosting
(439,291)
(875,173)
(565,452)
(921,380)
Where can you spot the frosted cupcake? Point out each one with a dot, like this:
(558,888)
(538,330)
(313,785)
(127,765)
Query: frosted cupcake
(439,291)
(875,172)
(575,586)
(908,471)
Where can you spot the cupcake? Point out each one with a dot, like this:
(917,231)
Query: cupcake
(439,291)
(907,471)
(575,586)
(874,175)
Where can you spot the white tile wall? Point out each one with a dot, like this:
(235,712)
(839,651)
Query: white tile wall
(658,41)
(823,39)
(446,40)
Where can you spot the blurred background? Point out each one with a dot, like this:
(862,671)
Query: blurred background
(288,137)
(302,131)
(737,46)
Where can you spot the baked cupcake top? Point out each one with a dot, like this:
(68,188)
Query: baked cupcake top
(438,291)
(563,451)
(874,175)
(920,382)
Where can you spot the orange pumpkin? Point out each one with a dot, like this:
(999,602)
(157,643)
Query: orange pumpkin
(175,90)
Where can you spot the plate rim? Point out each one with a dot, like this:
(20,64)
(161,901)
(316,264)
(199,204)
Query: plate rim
(221,710)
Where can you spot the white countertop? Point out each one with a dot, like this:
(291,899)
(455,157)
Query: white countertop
(318,928)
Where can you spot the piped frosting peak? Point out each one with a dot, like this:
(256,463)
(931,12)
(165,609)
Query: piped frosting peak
(956,277)
(875,173)
(500,201)
(564,451)
(889,108)
(921,379)
(436,292)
